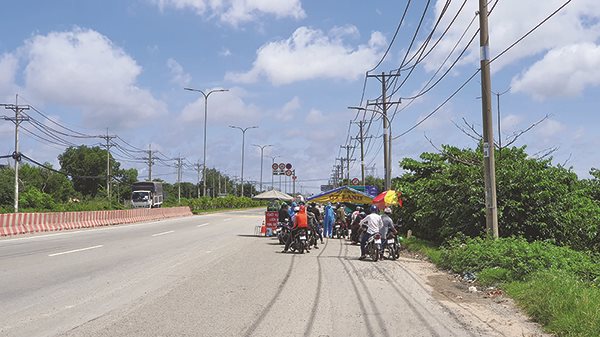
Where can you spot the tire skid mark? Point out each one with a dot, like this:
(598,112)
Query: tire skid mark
(313,314)
(370,331)
(411,274)
(380,321)
(267,308)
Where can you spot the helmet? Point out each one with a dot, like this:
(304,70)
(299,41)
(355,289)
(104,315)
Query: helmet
(301,208)
(296,209)
(387,210)
(358,208)
(373,209)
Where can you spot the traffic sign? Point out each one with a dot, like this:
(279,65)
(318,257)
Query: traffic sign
(355,181)
(282,166)
(288,173)
(288,166)
(294,177)
(275,166)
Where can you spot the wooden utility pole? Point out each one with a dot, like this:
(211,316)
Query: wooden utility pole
(491,210)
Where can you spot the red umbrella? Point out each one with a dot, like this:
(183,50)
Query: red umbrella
(387,198)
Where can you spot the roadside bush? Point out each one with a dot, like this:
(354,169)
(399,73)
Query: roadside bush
(228,202)
(444,196)
(509,259)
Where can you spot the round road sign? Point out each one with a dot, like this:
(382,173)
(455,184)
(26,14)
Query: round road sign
(274,166)
(294,177)
(288,173)
(281,166)
(355,181)
(288,166)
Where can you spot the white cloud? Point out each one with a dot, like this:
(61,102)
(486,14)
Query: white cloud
(510,123)
(551,128)
(178,75)
(235,12)
(565,72)
(314,116)
(83,69)
(225,52)
(8,68)
(223,107)
(289,109)
(311,54)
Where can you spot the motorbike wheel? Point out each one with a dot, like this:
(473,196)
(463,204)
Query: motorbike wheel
(301,247)
(396,252)
(392,253)
(374,254)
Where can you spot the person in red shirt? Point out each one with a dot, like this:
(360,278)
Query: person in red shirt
(300,221)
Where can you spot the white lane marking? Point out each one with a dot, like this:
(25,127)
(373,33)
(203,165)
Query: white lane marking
(163,233)
(75,250)
(228,219)
(204,224)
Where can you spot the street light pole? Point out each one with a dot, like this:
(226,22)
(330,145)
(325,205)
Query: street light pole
(243,141)
(205,115)
(262,147)
(387,131)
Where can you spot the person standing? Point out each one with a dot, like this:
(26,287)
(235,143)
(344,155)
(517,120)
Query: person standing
(373,223)
(328,220)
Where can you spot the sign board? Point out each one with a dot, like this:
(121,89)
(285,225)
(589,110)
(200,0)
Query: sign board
(294,177)
(281,166)
(326,188)
(355,181)
(271,218)
(288,166)
(288,173)
(275,166)
(370,190)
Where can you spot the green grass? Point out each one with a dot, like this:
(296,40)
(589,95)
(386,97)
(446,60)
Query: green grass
(565,305)
(557,286)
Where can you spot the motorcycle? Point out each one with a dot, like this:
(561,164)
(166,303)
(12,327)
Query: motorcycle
(311,237)
(283,232)
(374,246)
(392,246)
(299,242)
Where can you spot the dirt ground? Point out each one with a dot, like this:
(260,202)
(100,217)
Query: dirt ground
(487,308)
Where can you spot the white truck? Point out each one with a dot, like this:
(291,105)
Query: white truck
(147,194)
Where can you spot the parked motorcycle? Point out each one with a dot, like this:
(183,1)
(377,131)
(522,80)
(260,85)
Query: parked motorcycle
(283,232)
(392,246)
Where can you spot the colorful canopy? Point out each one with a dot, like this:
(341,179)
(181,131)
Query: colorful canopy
(387,198)
(273,195)
(343,194)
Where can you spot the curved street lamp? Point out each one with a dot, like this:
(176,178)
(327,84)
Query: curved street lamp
(205,113)
(386,134)
(262,147)
(243,140)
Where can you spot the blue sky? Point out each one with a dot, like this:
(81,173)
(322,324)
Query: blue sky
(292,67)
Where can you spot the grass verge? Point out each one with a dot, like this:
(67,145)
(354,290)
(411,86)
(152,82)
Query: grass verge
(557,286)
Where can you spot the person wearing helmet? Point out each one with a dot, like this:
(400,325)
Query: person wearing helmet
(388,226)
(373,223)
(300,221)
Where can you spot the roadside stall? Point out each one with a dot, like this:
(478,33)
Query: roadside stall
(271,216)
(343,194)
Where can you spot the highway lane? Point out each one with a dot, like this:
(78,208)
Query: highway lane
(54,282)
(209,276)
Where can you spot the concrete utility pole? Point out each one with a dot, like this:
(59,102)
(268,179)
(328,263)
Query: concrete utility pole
(150,162)
(386,137)
(16,155)
(361,138)
(498,94)
(198,167)
(243,141)
(179,164)
(108,138)
(491,211)
(341,171)
(205,115)
(348,160)
(261,147)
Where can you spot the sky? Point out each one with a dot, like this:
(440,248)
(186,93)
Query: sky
(292,68)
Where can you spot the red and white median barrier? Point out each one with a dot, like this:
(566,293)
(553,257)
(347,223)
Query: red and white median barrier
(22,223)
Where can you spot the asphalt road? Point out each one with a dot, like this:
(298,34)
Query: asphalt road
(207,276)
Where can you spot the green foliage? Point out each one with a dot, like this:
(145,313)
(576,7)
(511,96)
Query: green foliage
(424,247)
(32,198)
(516,258)
(444,196)
(87,167)
(559,300)
(228,202)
